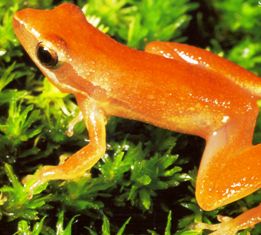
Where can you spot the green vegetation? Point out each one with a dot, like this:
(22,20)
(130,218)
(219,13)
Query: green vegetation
(145,182)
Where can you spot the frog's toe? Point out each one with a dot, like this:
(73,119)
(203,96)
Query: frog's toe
(223,228)
(38,181)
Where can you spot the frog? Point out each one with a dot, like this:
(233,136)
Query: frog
(170,85)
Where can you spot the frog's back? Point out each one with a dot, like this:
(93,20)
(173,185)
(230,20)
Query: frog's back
(176,95)
(134,84)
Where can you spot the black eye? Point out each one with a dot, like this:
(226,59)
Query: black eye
(46,56)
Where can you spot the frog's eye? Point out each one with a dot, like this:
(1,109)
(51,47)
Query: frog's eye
(46,56)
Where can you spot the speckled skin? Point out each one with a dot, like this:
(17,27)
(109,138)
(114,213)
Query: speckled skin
(170,85)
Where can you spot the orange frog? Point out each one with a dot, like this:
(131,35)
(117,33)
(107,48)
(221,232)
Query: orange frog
(170,85)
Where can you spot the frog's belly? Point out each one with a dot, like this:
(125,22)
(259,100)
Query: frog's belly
(192,115)
(196,120)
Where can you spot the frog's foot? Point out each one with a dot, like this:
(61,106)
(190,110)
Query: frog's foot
(37,182)
(34,183)
(48,173)
(229,226)
(225,227)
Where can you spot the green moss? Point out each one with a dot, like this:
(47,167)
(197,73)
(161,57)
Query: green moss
(147,172)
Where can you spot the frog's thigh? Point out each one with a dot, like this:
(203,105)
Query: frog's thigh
(181,52)
(231,166)
(162,48)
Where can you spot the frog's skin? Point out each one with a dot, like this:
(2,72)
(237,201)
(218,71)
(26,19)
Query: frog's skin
(170,85)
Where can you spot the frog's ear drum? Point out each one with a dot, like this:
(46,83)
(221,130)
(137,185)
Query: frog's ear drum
(46,56)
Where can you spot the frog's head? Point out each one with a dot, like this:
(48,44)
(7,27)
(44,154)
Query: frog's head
(57,40)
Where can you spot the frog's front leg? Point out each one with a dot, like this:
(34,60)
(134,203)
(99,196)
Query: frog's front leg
(77,164)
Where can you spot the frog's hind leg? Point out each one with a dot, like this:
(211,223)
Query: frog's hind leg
(184,53)
(231,226)
(230,169)
(207,60)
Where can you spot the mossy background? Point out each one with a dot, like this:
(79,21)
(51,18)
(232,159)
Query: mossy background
(145,183)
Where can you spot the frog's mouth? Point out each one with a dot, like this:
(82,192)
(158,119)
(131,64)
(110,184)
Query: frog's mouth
(62,84)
